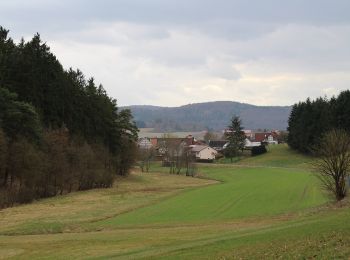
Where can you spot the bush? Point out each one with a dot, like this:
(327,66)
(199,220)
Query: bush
(333,166)
(257,150)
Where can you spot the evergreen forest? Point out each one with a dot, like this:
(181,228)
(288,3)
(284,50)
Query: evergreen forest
(59,131)
(310,120)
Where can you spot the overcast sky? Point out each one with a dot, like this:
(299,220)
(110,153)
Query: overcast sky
(175,52)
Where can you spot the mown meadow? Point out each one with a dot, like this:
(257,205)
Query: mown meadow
(267,206)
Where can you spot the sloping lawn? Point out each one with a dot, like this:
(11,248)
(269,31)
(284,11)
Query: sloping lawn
(268,207)
(243,193)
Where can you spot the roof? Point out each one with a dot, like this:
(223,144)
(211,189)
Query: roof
(198,148)
(217,143)
(172,141)
(260,137)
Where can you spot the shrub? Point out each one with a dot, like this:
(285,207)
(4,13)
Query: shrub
(257,150)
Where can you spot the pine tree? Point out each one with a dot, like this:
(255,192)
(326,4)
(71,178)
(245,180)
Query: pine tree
(342,110)
(235,137)
(59,131)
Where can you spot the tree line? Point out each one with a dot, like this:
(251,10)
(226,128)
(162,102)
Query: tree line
(310,120)
(59,131)
(322,127)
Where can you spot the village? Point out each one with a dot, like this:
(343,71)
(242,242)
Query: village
(202,150)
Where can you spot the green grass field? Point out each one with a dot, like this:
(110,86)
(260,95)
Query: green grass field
(268,206)
(277,156)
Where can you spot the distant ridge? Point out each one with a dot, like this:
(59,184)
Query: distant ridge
(210,115)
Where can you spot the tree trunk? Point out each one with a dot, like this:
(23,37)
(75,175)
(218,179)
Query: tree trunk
(6,177)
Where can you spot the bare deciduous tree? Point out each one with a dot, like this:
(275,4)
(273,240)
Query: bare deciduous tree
(145,155)
(333,165)
(209,136)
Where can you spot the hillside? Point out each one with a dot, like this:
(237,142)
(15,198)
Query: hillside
(260,212)
(210,115)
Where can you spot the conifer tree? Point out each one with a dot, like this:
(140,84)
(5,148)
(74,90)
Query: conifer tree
(59,131)
(235,137)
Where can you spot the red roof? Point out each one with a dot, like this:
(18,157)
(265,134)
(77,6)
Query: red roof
(260,137)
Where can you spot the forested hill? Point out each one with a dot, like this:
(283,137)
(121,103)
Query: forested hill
(210,115)
(59,131)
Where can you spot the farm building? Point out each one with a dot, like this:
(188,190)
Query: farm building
(249,144)
(172,145)
(267,137)
(173,142)
(203,152)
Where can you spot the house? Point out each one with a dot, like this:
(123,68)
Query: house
(172,141)
(203,152)
(259,137)
(271,139)
(265,137)
(248,144)
(248,133)
(144,143)
(173,145)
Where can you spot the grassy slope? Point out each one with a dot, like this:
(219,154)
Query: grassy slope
(247,192)
(254,212)
(76,211)
(324,235)
(277,156)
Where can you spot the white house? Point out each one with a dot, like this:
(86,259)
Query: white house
(249,144)
(144,143)
(203,152)
(270,140)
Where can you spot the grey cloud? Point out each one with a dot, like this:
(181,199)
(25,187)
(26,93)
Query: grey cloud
(172,45)
(202,14)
